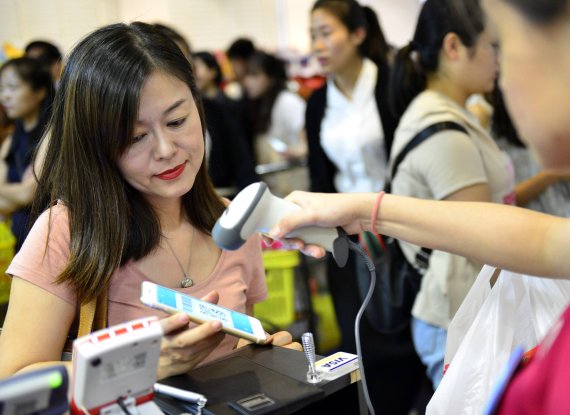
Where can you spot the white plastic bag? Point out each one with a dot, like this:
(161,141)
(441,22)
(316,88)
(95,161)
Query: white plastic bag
(518,310)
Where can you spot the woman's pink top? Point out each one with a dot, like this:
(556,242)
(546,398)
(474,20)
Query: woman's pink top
(239,275)
(543,387)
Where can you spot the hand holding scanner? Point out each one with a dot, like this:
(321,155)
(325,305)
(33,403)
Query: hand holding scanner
(255,209)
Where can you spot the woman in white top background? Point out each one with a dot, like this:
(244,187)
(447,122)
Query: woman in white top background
(349,132)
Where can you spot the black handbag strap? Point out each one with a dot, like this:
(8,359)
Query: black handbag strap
(422,257)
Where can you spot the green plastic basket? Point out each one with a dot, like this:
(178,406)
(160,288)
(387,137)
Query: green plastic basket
(278,310)
(7,243)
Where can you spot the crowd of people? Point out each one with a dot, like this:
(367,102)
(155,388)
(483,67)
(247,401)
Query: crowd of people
(157,135)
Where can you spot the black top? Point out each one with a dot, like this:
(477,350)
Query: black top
(230,162)
(321,168)
(18,159)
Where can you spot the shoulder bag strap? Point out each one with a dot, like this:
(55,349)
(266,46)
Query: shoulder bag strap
(92,317)
(422,257)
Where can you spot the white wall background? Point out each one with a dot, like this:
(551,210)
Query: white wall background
(208,24)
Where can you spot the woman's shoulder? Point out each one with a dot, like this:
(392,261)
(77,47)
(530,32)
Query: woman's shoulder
(55,219)
(429,108)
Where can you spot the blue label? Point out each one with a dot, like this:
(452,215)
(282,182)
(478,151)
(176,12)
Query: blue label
(166,296)
(203,309)
(241,322)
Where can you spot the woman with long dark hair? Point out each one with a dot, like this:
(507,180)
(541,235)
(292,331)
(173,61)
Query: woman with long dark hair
(128,199)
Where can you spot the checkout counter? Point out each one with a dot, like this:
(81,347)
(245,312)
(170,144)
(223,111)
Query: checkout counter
(268,380)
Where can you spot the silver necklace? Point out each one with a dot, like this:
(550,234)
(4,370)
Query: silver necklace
(186,281)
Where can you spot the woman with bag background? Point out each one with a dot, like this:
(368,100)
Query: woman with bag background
(534,55)
(432,78)
(128,200)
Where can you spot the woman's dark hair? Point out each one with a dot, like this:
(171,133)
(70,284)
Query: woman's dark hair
(212,63)
(421,56)
(48,52)
(501,122)
(93,124)
(176,37)
(36,74)
(541,11)
(354,16)
(261,107)
(241,48)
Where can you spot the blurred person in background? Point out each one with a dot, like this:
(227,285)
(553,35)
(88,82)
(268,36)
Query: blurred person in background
(26,92)
(209,75)
(540,189)
(349,130)
(277,117)
(49,55)
(229,157)
(238,54)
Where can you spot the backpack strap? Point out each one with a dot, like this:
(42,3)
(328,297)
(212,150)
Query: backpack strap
(422,257)
(420,138)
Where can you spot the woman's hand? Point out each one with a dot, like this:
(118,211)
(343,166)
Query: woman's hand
(183,348)
(281,338)
(284,339)
(349,211)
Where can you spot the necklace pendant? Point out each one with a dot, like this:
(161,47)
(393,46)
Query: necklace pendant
(186,282)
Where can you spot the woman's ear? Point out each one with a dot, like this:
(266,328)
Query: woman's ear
(358,36)
(40,95)
(452,46)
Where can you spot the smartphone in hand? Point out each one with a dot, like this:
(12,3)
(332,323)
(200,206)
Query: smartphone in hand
(233,322)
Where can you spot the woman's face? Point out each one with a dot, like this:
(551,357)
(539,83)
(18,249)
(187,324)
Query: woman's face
(535,77)
(204,75)
(256,83)
(332,43)
(168,147)
(17,96)
(481,64)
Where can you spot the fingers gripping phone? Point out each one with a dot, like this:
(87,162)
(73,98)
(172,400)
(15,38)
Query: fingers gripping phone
(233,322)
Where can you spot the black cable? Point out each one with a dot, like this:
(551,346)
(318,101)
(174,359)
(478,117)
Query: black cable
(121,402)
(357,248)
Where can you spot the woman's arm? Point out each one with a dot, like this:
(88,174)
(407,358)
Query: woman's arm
(16,195)
(528,190)
(504,236)
(35,328)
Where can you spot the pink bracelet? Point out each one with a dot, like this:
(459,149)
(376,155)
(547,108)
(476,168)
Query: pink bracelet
(375,212)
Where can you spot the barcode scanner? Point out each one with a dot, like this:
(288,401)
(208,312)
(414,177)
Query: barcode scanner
(256,209)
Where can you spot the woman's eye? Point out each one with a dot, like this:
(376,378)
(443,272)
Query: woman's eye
(177,123)
(138,138)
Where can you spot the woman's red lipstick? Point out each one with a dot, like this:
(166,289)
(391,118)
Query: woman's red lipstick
(172,173)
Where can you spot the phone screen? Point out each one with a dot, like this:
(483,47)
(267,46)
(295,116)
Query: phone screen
(204,310)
